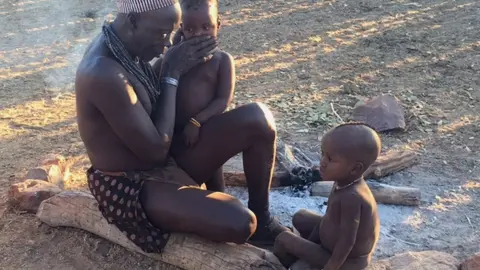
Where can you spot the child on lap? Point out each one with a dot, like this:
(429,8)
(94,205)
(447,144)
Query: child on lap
(206,90)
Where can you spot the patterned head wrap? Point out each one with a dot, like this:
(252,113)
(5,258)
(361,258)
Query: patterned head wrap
(139,6)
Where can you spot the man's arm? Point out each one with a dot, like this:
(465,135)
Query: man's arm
(350,211)
(157,66)
(116,99)
(225,89)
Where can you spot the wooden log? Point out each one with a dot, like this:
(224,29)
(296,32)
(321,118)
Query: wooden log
(79,210)
(383,193)
(289,157)
(391,162)
(388,163)
(237,178)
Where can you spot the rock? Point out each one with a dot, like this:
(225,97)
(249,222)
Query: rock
(53,160)
(55,176)
(37,173)
(53,168)
(425,260)
(28,195)
(471,264)
(382,113)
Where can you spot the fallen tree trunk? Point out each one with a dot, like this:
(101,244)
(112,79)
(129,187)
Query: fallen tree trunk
(79,210)
(385,194)
(386,164)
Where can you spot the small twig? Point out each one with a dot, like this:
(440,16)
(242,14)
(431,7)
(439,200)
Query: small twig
(413,4)
(469,221)
(336,114)
(400,240)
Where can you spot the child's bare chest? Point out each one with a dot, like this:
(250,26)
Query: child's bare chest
(197,89)
(200,79)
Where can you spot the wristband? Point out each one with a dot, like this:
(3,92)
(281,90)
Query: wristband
(170,80)
(195,122)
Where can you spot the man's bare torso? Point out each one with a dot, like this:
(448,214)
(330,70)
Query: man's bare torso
(368,230)
(105,149)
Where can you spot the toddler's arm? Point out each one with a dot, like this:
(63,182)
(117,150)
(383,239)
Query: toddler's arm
(350,209)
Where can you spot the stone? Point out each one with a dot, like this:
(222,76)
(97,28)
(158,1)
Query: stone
(472,263)
(53,159)
(53,168)
(27,195)
(37,173)
(424,260)
(383,113)
(55,176)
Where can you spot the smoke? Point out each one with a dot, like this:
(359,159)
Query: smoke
(77,25)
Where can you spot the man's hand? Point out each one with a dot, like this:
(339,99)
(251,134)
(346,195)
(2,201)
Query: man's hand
(179,59)
(191,134)
(179,37)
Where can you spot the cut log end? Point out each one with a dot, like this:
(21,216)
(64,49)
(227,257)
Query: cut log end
(382,193)
(79,210)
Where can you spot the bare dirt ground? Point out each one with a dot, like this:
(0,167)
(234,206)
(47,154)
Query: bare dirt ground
(298,57)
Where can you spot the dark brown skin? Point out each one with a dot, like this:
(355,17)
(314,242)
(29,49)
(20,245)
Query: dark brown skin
(206,90)
(113,112)
(346,236)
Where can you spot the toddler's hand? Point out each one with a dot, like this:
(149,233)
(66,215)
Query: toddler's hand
(191,134)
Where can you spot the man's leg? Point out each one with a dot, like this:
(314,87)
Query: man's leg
(216,182)
(213,215)
(249,130)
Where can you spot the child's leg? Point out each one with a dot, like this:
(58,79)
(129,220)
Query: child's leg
(307,224)
(289,247)
(216,182)
(281,252)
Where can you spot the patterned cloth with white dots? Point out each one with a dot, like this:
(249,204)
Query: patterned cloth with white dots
(118,200)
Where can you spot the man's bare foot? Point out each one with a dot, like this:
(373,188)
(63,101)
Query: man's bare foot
(265,234)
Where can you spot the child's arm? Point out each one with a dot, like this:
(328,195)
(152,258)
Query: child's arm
(350,210)
(224,91)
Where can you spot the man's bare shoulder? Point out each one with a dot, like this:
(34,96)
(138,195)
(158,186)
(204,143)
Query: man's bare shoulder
(97,67)
(97,71)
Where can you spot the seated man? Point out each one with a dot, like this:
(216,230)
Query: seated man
(126,116)
(206,90)
(346,236)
